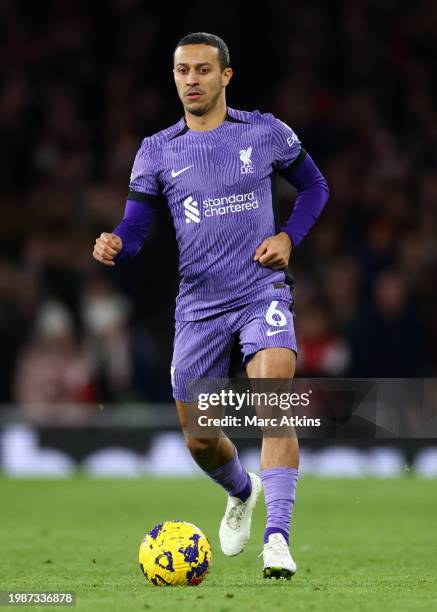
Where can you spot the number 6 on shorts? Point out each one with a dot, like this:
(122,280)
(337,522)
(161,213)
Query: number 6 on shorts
(274,316)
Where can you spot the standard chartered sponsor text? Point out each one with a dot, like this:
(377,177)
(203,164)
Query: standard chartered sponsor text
(234,203)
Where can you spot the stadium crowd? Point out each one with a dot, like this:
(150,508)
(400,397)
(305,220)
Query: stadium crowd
(84,83)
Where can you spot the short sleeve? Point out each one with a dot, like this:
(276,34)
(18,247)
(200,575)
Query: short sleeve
(286,145)
(143,177)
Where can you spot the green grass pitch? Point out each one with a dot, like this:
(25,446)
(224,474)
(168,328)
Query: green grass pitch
(360,545)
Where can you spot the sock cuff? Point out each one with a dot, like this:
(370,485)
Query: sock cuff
(226,466)
(233,477)
(279,471)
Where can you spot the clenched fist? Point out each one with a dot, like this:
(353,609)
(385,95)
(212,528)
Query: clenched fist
(107,246)
(274,252)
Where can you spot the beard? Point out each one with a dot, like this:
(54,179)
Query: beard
(199,111)
(202,109)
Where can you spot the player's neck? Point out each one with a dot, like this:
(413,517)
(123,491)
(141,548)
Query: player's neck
(208,121)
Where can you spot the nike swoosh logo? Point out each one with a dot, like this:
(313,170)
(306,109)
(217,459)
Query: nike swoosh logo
(270,332)
(175,173)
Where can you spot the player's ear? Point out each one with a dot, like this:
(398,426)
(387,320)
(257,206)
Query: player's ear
(227,75)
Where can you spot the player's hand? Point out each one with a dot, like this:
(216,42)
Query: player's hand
(274,252)
(107,246)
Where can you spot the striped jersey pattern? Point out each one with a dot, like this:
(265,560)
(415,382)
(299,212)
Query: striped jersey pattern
(218,186)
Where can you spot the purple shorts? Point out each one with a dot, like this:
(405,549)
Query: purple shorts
(202,349)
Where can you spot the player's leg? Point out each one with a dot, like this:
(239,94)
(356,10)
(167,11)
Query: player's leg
(279,455)
(202,350)
(279,470)
(273,355)
(219,459)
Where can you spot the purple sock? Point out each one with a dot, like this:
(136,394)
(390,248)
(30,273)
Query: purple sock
(233,478)
(279,492)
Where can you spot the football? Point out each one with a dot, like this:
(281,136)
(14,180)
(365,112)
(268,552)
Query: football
(175,553)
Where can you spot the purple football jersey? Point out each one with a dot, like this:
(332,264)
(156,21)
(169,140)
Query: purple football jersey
(218,186)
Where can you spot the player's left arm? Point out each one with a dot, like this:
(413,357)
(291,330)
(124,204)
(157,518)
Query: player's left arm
(297,167)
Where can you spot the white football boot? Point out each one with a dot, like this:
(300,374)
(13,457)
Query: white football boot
(235,526)
(278,562)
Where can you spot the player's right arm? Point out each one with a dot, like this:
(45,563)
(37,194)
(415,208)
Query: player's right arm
(128,237)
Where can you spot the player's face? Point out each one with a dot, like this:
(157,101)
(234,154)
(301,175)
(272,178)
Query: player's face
(199,79)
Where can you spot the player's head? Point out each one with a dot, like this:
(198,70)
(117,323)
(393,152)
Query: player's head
(201,71)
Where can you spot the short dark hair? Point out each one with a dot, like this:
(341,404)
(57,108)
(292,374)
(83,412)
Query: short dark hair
(203,38)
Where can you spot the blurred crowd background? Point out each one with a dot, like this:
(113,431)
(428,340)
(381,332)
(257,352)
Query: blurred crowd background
(83,83)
